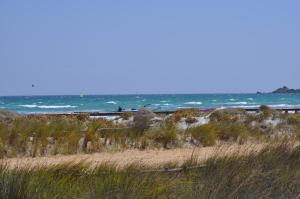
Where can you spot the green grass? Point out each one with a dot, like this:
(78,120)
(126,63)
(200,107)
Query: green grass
(270,173)
(232,125)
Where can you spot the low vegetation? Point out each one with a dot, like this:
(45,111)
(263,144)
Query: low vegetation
(186,113)
(271,173)
(50,135)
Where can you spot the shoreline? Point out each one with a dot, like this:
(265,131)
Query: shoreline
(104,113)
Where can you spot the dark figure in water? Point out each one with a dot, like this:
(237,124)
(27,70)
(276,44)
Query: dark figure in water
(120,109)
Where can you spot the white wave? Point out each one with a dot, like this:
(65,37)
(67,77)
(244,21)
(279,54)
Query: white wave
(271,105)
(232,99)
(29,106)
(164,101)
(47,112)
(166,104)
(46,107)
(250,98)
(192,103)
(213,100)
(111,102)
(282,105)
(62,106)
(111,118)
(237,103)
(249,106)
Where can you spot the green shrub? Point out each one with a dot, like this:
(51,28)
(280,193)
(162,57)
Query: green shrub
(190,120)
(231,131)
(126,115)
(265,112)
(229,115)
(293,120)
(166,134)
(185,113)
(206,134)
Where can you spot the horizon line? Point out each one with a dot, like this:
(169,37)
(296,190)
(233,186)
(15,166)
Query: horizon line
(217,93)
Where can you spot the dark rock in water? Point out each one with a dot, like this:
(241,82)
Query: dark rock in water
(142,119)
(8,115)
(285,89)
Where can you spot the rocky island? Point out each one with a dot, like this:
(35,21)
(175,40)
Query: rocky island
(285,89)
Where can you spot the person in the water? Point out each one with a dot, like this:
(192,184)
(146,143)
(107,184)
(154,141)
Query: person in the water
(120,109)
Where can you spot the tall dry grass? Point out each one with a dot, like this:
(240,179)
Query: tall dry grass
(270,173)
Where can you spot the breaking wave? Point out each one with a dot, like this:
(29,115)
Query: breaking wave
(111,102)
(192,103)
(47,107)
(283,106)
(270,105)
(243,103)
(28,106)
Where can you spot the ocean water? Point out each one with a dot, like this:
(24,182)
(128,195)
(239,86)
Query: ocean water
(92,103)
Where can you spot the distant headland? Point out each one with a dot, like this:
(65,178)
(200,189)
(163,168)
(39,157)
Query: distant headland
(285,89)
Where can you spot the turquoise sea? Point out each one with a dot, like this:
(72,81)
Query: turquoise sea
(91,103)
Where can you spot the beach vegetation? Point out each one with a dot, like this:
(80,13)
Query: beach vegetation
(190,120)
(166,135)
(39,135)
(266,112)
(126,115)
(185,113)
(231,131)
(272,172)
(205,134)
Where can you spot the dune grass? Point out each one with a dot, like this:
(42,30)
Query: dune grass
(271,173)
(35,135)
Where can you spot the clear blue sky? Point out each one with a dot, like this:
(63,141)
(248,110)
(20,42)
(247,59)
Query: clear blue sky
(145,46)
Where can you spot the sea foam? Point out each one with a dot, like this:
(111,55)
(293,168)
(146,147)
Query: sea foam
(47,107)
(243,103)
(29,106)
(111,102)
(283,106)
(62,106)
(193,103)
